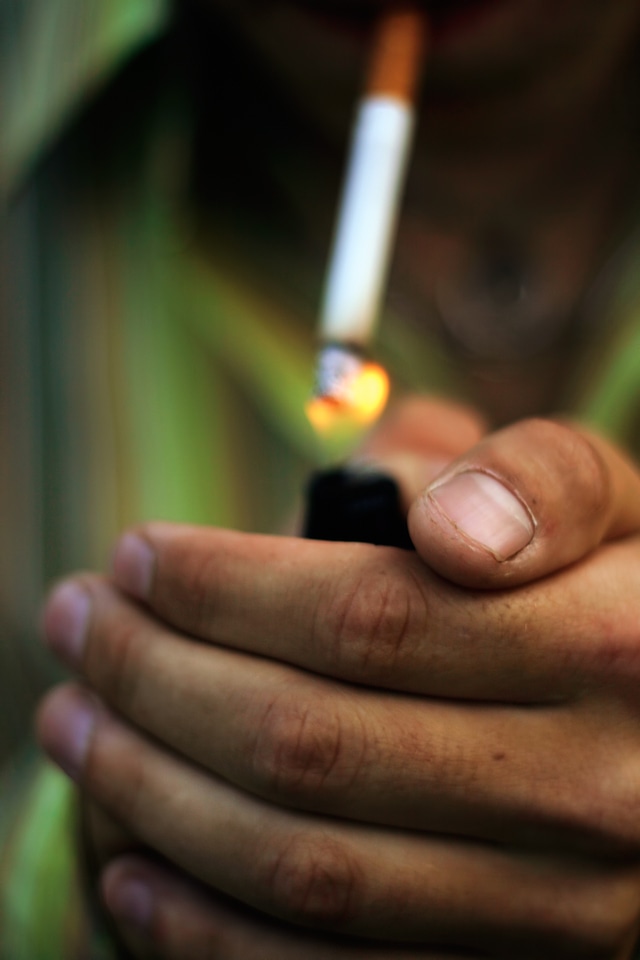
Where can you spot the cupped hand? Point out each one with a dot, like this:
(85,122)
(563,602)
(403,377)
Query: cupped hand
(438,749)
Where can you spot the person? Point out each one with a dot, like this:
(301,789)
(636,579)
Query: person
(289,748)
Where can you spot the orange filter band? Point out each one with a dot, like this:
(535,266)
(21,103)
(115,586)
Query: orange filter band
(398,54)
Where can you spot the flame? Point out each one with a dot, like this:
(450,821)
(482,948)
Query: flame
(357,400)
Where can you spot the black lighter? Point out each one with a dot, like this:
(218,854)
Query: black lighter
(358,505)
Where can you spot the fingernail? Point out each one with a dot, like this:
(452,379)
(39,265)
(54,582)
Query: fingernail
(132,902)
(133,565)
(70,721)
(65,621)
(485,511)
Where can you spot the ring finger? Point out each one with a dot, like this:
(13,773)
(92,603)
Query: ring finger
(330,874)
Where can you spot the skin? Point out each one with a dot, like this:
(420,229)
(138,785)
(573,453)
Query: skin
(339,692)
(295,749)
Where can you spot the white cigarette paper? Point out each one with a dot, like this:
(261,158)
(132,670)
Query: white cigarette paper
(366,225)
(375,176)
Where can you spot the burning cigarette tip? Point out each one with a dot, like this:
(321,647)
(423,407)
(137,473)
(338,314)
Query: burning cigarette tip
(349,387)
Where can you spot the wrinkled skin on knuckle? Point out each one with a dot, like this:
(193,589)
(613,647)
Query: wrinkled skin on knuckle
(303,746)
(312,881)
(374,621)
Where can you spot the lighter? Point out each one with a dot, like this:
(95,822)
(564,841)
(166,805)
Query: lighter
(352,504)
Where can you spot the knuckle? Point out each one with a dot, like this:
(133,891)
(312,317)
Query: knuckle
(577,459)
(374,621)
(302,747)
(600,806)
(587,911)
(615,654)
(313,880)
(612,809)
(610,914)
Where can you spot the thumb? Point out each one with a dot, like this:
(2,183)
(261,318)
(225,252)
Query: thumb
(524,502)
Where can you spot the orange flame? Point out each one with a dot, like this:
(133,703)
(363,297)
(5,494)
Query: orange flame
(359,402)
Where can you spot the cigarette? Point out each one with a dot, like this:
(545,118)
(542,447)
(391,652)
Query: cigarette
(368,214)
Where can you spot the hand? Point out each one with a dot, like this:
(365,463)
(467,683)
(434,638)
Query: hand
(508,749)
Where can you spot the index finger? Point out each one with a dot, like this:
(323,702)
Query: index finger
(371,615)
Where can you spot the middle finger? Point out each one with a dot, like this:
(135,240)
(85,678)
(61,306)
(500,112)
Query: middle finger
(457,767)
(345,878)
